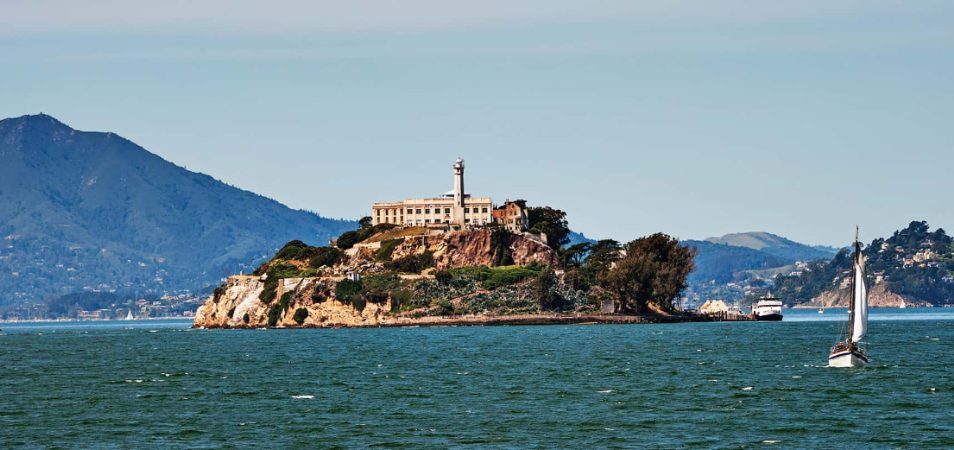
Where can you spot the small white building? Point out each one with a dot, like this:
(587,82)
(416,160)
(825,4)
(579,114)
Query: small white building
(714,307)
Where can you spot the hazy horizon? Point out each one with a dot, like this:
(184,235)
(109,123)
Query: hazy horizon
(802,120)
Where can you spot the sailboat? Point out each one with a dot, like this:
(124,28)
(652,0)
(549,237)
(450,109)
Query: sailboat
(129,315)
(851,352)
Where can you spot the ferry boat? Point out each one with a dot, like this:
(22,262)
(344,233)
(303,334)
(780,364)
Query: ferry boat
(768,308)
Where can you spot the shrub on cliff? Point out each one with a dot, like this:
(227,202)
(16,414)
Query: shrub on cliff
(276,272)
(412,263)
(269,291)
(349,238)
(274,314)
(291,250)
(324,256)
(382,282)
(443,277)
(387,248)
(300,315)
(218,293)
(443,307)
(282,270)
(346,290)
(401,298)
(507,275)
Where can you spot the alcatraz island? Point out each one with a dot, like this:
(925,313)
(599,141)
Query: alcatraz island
(456,259)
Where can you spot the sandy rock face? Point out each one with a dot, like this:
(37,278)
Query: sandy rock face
(236,304)
(477,248)
(878,297)
(241,297)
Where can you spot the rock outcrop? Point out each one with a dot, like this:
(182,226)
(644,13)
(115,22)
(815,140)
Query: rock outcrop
(312,301)
(237,305)
(879,296)
(469,248)
(487,248)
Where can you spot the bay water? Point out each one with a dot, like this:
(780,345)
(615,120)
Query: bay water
(146,384)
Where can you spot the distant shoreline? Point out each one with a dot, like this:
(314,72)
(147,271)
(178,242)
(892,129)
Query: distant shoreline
(96,320)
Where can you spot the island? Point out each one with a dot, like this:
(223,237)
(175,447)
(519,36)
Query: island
(457,260)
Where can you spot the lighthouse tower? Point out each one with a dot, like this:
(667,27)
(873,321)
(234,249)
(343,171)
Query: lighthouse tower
(459,193)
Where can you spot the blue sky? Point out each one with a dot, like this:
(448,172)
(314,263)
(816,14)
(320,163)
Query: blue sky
(692,118)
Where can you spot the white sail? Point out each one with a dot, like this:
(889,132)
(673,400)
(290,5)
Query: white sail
(859,319)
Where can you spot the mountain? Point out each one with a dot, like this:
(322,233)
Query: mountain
(775,245)
(720,263)
(914,264)
(735,266)
(578,238)
(91,211)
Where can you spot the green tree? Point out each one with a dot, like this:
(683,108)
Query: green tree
(552,222)
(574,256)
(653,271)
(443,277)
(365,222)
(545,290)
(325,256)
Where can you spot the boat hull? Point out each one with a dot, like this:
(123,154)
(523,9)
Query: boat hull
(847,359)
(769,317)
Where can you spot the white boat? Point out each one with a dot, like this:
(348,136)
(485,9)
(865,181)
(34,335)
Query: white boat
(821,310)
(129,315)
(768,308)
(903,305)
(851,352)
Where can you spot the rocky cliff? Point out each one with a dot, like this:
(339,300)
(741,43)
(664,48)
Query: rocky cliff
(295,292)
(479,248)
(238,305)
(879,296)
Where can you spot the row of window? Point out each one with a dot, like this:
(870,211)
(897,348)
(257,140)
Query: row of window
(428,222)
(387,212)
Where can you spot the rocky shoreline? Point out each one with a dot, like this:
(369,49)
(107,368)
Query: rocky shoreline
(313,303)
(504,320)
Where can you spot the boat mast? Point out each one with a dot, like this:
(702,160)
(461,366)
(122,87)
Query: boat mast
(851,300)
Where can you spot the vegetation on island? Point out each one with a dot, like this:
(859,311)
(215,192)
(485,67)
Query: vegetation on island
(645,275)
(914,262)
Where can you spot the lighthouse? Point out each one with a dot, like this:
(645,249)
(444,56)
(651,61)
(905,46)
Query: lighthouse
(459,192)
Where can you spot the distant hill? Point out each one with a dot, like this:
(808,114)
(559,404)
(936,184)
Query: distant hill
(578,238)
(733,266)
(775,245)
(914,264)
(720,263)
(93,211)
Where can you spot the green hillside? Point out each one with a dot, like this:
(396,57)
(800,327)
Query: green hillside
(914,262)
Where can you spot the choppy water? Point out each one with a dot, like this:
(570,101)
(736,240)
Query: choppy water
(159,384)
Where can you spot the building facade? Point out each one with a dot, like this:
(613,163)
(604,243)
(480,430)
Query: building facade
(455,208)
(512,216)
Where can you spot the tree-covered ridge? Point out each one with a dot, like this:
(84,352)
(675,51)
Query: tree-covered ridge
(914,262)
(721,262)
